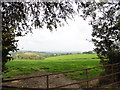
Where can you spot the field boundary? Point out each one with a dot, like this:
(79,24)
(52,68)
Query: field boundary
(80,58)
(81,81)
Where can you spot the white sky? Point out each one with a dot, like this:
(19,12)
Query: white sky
(69,38)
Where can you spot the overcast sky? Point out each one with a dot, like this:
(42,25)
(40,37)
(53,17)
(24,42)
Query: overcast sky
(72,37)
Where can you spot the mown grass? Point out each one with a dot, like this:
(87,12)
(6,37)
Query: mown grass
(55,64)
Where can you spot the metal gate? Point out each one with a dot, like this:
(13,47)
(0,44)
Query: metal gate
(78,82)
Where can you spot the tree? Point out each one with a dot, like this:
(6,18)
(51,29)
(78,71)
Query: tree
(105,20)
(18,18)
(106,26)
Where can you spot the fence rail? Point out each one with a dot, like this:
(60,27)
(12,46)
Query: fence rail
(81,81)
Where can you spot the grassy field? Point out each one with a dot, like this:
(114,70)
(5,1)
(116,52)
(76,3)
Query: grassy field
(55,64)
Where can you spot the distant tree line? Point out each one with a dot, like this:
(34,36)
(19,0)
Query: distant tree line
(88,52)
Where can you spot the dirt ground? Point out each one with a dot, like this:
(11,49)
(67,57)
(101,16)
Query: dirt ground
(40,82)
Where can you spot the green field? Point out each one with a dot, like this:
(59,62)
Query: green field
(55,64)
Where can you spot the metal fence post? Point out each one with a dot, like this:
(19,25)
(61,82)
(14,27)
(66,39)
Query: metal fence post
(87,78)
(47,81)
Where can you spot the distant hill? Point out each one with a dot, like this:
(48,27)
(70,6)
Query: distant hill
(44,54)
(28,55)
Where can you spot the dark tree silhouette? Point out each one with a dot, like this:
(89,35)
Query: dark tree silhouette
(106,28)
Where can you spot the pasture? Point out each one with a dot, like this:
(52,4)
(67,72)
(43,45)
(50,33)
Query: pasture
(55,64)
